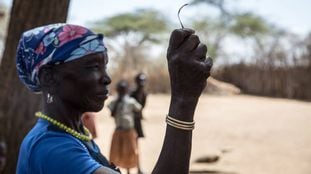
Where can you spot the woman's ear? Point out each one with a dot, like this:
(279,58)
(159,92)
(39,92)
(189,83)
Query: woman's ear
(47,76)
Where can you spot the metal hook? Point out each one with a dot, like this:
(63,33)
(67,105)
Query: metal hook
(182,26)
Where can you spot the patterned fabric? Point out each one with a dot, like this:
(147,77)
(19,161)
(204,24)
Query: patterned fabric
(53,44)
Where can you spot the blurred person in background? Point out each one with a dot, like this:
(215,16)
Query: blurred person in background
(140,95)
(123,151)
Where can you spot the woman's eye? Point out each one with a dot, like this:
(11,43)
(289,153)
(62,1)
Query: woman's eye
(93,67)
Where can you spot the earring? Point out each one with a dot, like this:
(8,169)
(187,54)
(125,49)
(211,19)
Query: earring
(49,98)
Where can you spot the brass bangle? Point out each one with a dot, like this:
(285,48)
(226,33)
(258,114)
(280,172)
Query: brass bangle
(179,124)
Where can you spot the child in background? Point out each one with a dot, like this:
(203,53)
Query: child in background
(123,152)
(140,95)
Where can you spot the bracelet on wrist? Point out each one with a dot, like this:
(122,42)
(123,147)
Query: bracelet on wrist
(179,124)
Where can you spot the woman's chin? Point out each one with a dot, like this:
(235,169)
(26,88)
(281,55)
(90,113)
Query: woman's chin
(94,106)
(98,107)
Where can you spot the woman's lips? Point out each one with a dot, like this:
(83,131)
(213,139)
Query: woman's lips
(103,95)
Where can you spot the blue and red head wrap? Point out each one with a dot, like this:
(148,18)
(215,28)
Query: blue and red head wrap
(53,44)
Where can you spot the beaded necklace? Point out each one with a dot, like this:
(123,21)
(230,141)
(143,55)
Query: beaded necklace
(69,130)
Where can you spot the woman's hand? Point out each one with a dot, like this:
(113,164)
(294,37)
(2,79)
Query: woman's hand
(187,63)
(188,69)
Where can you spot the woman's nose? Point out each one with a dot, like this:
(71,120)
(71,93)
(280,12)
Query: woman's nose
(106,79)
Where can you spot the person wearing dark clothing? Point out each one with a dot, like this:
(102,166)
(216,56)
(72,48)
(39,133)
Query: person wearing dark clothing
(140,95)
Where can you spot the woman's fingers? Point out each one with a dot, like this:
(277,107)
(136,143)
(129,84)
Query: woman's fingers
(185,46)
(178,36)
(203,67)
(200,52)
(190,43)
(208,64)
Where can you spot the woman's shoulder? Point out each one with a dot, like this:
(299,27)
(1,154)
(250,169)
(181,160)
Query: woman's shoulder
(46,135)
(55,145)
(62,153)
(43,145)
(58,139)
(49,139)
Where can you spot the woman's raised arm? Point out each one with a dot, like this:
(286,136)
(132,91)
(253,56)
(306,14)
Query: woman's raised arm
(189,69)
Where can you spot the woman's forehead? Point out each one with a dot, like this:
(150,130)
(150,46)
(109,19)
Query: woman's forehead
(95,57)
(88,59)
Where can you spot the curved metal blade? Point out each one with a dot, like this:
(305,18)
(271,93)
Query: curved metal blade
(182,26)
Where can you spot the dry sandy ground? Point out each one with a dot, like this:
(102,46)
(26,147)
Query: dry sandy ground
(252,135)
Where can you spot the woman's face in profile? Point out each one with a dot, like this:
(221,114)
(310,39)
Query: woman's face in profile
(83,82)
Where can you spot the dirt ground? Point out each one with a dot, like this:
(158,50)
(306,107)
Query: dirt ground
(252,135)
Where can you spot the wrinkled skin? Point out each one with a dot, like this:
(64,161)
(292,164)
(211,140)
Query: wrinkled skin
(187,64)
(77,87)
(189,70)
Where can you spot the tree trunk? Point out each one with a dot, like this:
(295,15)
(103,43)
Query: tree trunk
(18,104)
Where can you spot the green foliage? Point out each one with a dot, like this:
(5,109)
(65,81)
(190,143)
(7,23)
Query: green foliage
(201,25)
(144,22)
(243,24)
(212,51)
(246,25)
(219,4)
(209,25)
(131,35)
(249,25)
(212,32)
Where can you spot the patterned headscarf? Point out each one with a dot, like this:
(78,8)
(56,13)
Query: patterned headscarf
(53,44)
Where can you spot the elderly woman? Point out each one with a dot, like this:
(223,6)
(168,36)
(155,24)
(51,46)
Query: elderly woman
(67,65)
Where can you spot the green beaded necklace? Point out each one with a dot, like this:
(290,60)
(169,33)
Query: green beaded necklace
(60,125)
